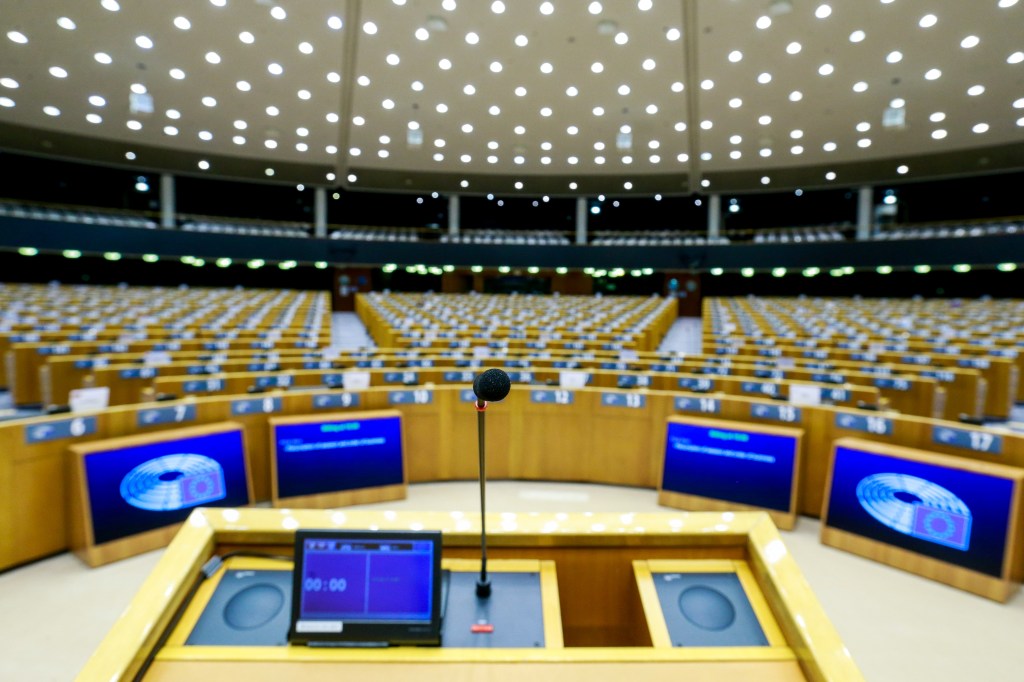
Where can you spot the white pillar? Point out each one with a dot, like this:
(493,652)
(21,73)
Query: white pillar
(453,215)
(167,200)
(714,216)
(320,212)
(865,208)
(581,221)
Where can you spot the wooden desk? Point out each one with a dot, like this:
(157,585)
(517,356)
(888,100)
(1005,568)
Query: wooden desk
(604,630)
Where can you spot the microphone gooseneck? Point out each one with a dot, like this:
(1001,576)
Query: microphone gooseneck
(490,386)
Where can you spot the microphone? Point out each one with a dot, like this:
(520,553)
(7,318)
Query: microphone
(489,387)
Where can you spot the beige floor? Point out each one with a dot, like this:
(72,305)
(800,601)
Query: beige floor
(898,626)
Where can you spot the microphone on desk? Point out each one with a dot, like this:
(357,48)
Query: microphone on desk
(489,387)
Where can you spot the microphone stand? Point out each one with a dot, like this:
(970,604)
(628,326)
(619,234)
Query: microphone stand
(483,584)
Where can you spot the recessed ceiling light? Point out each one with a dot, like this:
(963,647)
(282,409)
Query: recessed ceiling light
(735,154)
(469,89)
(494,110)
(623,89)
(17,37)
(980,128)
(417,86)
(764,78)
(519,130)
(520,91)
(648,64)
(677,86)
(939,134)
(831,175)
(594,8)
(735,103)
(521,40)
(932,74)
(209,101)
(735,56)
(1019,104)
(112,5)
(205,135)
(238,139)
(177,74)
(58,72)
(976,90)
(546,111)
(441,108)
(355,151)
(306,48)
(272,111)
(170,130)
(928,20)
(765,152)
(91,118)
(1015,58)
(829,146)
(388,104)
(764,120)
(903,170)
(102,58)
(134,125)
(680,127)
(304,94)
(498,7)
(335,23)
(969,42)
(278,13)
(857,36)
(705,156)
(864,143)
(448,5)
(823,12)
(213,57)
(863,127)
(1007,3)
(796,96)
(69,25)
(243,86)
(94,100)
(444,64)
(598,111)
(546,146)
(894,57)
(240,125)
(145,42)
(496,67)
(707,84)
(937,117)
(370,28)
(651,109)
(383,153)
(597,67)
(467,127)
(358,120)
(51,111)
(173,114)
(572,91)
(546,8)
(826,69)
(794,47)
(673,34)
(763,22)
(422,34)
(621,38)
(572,130)
(247,38)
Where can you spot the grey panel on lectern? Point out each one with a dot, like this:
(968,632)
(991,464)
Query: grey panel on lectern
(707,609)
(514,609)
(248,608)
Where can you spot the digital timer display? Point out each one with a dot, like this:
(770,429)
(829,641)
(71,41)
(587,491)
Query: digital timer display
(359,580)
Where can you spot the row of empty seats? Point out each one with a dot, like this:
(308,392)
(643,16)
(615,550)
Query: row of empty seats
(662,238)
(538,237)
(371,234)
(74,215)
(948,231)
(282,230)
(798,235)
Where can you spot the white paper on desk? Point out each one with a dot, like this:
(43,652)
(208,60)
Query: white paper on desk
(572,379)
(802,394)
(155,358)
(89,399)
(481,352)
(355,381)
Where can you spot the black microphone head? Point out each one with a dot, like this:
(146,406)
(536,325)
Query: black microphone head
(492,385)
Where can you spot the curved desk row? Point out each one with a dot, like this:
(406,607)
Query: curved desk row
(539,433)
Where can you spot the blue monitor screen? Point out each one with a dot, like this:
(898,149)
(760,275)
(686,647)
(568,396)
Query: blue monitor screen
(723,463)
(143,487)
(365,579)
(956,516)
(345,454)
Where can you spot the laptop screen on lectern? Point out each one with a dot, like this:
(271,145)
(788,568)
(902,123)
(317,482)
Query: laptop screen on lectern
(371,587)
